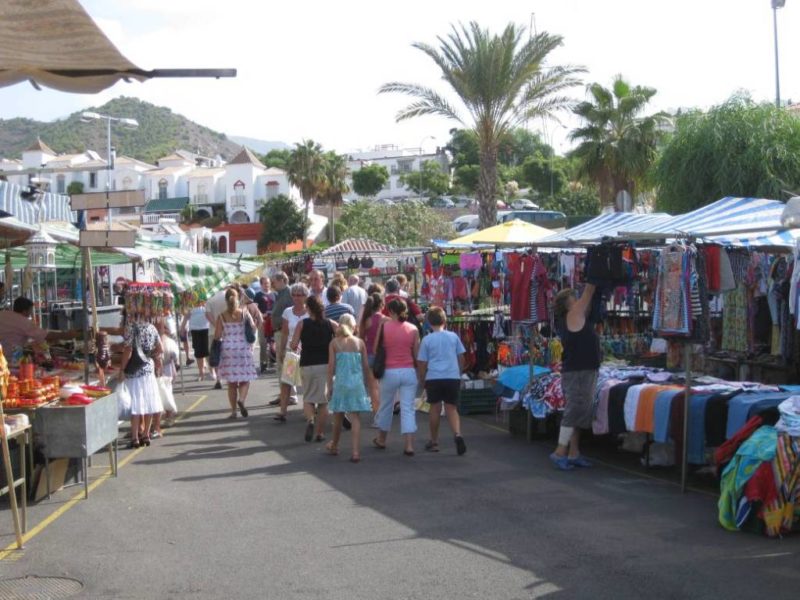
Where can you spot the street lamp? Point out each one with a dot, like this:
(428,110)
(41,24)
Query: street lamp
(422,141)
(88,117)
(776,4)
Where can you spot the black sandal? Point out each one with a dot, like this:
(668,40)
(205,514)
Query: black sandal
(133,444)
(242,409)
(145,441)
(280,418)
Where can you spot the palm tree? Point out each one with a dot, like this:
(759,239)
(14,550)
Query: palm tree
(617,145)
(501,82)
(334,186)
(306,171)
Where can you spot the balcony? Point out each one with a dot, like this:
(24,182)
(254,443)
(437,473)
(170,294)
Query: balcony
(200,199)
(238,201)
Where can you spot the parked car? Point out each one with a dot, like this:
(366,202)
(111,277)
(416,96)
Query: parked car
(463,202)
(524,204)
(384,202)
(552,219)
(465,222)
(442,203)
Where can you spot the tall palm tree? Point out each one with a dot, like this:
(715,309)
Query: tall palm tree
(306,171)
(617,144)
(501,81)
(334,186)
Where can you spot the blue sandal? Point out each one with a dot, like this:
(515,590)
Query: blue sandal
(562,463)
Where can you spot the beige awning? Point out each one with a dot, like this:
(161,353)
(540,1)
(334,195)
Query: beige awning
(55,43)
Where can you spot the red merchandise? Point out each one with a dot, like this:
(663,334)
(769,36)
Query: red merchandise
(724,454)
(712,267)
(520,268)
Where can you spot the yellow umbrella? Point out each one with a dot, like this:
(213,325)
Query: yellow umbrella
(510,233)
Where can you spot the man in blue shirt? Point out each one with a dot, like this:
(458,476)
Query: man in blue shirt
(440,362)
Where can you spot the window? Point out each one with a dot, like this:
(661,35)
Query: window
(61,184)
(273,188)
(201,196)
(238,200)
(405,166)
(127,183)
(92,180)
(162,189)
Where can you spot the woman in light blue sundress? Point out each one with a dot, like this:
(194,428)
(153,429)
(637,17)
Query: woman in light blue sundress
(347,362)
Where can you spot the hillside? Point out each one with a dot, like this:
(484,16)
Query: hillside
(259,146)
(160,133)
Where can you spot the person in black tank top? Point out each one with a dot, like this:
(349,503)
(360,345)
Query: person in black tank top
(580,364)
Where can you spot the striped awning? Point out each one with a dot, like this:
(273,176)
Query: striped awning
(190,271)
(357,245)
(726,217)
(54,207)
(608,225)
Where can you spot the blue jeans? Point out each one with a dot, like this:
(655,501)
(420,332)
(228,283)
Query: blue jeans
(403,381)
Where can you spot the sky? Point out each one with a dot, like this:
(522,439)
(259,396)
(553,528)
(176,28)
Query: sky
(312,69)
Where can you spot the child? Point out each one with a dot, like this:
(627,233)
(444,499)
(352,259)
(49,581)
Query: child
(168,372)
(347,392)
(440,362)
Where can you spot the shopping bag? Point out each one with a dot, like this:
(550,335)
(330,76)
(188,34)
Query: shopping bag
(167,397)
(291,369)
(216,353)
(123,401)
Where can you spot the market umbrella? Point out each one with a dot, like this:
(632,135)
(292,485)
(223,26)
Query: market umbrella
(510,233)
(55,43)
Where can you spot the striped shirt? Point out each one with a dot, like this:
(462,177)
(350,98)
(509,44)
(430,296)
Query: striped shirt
(336,310)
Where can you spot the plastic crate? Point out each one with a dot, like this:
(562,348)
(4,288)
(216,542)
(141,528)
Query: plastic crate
(473,402)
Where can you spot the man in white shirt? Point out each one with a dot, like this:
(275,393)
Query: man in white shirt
(354,295)
(316,285)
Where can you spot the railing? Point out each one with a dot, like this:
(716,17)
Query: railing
(156,218)
(200,199)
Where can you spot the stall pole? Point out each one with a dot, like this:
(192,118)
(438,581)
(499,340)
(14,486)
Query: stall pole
(180,347)
(12,490)
(687,395)
(84,289)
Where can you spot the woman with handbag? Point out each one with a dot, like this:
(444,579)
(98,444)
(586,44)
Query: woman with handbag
(371,319)
(312,337)
(141,363)
(399,342)
(289,320)
(236,358)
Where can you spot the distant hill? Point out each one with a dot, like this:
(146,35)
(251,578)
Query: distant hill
(259,146)
(160,133)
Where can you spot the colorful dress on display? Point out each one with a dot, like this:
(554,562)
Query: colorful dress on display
(349,392)
(236,364)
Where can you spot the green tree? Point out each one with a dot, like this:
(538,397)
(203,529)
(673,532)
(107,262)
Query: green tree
(277,158)
(306,171)
(465,179)
(576,200)
(75,187)
(432,180)
(617,144)
(282,221)
(334,187)
(501,81)
(738,148)
(401,225)
(370,179)
(546,176)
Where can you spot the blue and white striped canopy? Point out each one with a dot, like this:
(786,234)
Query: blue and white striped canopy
(54,207)
(608,225)
(725,216)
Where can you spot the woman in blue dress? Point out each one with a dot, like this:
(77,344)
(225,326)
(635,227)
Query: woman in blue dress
(347,372)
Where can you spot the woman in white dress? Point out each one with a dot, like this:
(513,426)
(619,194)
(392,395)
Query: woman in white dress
(141,363)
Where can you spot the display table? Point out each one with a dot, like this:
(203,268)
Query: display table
(78,432)
(22,436)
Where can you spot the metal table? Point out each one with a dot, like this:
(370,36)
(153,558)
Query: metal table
(78,432)
(22,435)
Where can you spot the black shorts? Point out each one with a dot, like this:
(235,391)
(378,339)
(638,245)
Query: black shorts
(443,390)
(200,343)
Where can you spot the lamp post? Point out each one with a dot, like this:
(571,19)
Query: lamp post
(776,4)
(88,117)
(422,141)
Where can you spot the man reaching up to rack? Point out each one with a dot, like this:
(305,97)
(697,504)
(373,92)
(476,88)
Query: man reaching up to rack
(17,328)
(580,364)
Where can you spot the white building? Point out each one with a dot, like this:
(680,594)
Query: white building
(398,161)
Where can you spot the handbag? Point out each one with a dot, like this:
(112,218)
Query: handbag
(341,262)
(291,369)
(215,355)
(367,262)
(379,363)
(136,361)
(124,401)
(353,262)
(249,329)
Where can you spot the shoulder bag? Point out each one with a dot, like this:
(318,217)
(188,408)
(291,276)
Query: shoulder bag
(215,355)
(136,361)
(379,363)
(249,328)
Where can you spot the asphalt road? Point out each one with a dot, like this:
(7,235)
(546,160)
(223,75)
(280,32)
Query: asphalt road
(247,509)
